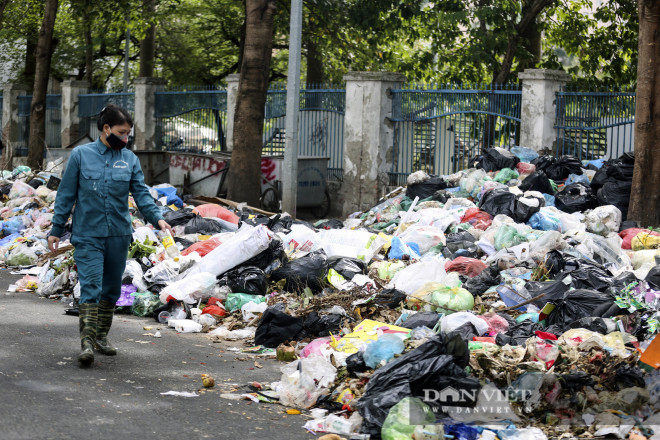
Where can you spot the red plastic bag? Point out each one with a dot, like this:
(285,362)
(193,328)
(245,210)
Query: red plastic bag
(470,267)
(216,310)
(629,234)
(496,324)
(213,210)
(477,218)
(202,247)
(525,168)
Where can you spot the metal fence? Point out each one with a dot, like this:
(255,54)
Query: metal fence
(592,125)
(321,124)
(90,106)
(53,119)
(193,121)
(438,129)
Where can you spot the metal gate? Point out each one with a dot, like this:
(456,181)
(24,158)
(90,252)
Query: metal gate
(592,125)
(91,104)
(321,124)
(193,121)
(53,122)
(439,130)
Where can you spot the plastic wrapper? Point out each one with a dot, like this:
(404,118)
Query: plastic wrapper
(558,169)
(425,188)
(488,278)
(525,169)
(308,271)
(434,365)
(420,319)
(252,310)
(247,242)
(469,267)
(498,201)
(304,380)
(145,303)
(178,218)
(190,289)
(126,297)
(169,192)
(55,285)
(247,279)
(133,274)
(390,298)
(603,220)
(477,218)
(575,197)
(164,272)
(508,236)
(545,220)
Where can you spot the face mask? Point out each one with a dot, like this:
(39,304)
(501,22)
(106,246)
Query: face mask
(115,142)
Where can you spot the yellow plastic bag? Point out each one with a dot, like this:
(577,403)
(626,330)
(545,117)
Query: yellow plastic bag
(364,333)
(644,240)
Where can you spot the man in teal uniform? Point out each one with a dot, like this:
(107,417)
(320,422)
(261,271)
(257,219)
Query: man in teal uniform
(96,185)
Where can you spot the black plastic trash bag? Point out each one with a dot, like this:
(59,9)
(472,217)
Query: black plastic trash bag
(390,298)
(316,326)
(554,262)
(498,201)
(563,167)
(330,224)
(421,319)
(201,225)
(599,179)
(488,278)
(518,333)
(495,159)
(247,279)
(543,162)
(653,277)
(426,188)
(552,290)
(460,236)
(576,304)
(308,271)
(276,327)
(628,376)
(355,364)
(576,197)
(527,206)
(178,218)
(347,267)
(441,196)
(616,193)
(592,323)
(537,181)
(433,366)
(466,332)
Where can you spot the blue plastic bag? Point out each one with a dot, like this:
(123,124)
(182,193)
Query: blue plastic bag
(575,178)
(549,199)
(524,154)
(170,193)
(382,349)
(10,238)
(398,249)
(544,221)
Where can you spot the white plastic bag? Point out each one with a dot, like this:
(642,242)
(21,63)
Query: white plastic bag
(163,273)
(425,236)
(133,271)
(243,245)
(20,189)
(300,241)
(189,289)
(185,325)
(304,380)
(360,244)
(415,276)
(251,310)
(603,220)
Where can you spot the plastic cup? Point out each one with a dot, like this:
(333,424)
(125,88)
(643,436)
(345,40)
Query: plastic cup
(164,316)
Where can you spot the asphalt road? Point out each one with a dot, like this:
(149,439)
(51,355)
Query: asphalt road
(44,394)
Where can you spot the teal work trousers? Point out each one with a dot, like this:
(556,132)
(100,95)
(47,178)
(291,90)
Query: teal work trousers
(101,262)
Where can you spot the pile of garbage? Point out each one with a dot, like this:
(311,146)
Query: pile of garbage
(512,300)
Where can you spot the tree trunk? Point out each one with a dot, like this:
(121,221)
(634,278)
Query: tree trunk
(45,46)
(148,44)
(244,183)
(27,77)
(645,194)
(314,64)
(89,46)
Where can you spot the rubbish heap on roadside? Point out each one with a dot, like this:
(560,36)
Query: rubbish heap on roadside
(512,300)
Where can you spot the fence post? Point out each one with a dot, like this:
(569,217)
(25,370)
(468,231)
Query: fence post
(70,131)
(368,137)
(10,121)
(538,113)
(232,94)
(146,136)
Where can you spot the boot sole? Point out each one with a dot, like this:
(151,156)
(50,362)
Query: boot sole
(86,359)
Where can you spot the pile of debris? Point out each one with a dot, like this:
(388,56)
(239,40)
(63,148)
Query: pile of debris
(512,300)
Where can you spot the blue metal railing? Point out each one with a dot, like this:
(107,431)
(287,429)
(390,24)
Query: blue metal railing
(53,124)
(191,120)
(592,125)
(321,124)
(439,128)
(91,104)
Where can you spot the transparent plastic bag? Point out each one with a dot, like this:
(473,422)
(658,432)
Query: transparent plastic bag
(164,272)
(190,289)
(426,237)
(603,220)
(416,275)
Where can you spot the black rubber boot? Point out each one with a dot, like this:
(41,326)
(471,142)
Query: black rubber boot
(87,320)
(105,314)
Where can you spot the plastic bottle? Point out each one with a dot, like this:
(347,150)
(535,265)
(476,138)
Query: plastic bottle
(168,243)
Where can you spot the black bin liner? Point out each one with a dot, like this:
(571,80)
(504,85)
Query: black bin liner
(495,159)
(347,267)
(537,181)
(426,189)
(201,225)
(178,218)
(616,193)
(308,271)
(498,201)
(563,167)
(577,304)
(276,327)
(421,319)
(576,197)
(247,279)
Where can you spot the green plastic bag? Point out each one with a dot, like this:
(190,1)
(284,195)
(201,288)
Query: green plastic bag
(411,417)
(235,301)
(505,175)
(145,303)
(508,236)
(442,298)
